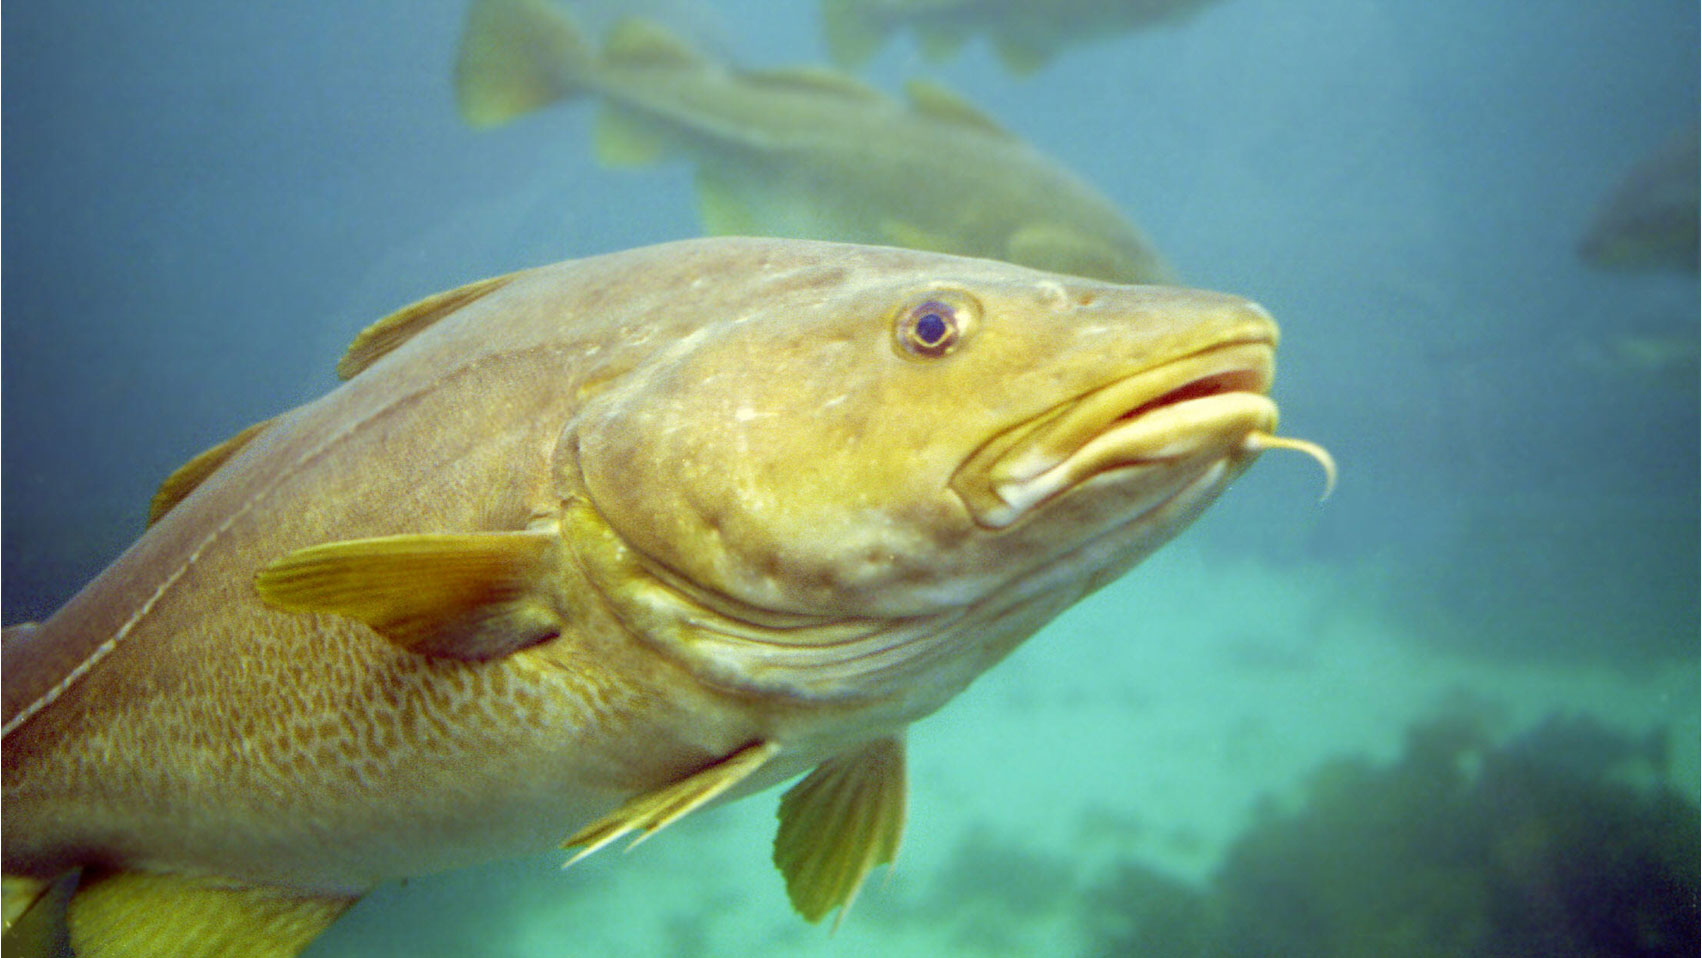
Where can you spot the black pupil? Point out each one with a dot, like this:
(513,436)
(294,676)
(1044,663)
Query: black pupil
(931,328)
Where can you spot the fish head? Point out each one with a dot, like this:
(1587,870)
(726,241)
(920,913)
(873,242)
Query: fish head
(908,447)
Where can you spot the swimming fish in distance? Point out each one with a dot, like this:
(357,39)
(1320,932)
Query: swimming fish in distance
(577,550)
(807,153)
(1649,220)
(1026,34)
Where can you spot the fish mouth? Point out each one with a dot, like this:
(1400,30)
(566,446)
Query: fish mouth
(1146,434)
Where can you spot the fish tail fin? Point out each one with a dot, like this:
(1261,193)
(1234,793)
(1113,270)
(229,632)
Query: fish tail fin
(852,30)
(517,56)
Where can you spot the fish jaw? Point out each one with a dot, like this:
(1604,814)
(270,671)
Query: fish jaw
(1146,436)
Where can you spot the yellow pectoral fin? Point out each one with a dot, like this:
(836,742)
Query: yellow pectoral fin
(139,915)
(837,824)
(476,595)
(653,811)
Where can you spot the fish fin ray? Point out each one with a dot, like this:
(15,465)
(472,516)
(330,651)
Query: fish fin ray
(517,56)
(126,914)
(191,474)
(474,596)
(837,824)
(383,336)
(652,811)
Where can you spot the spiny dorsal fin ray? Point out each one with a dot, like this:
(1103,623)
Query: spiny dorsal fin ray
(651,812)
(377,340)
(838,823)
(139,915)
(474,596)
(933,100)
(191,474)
(637,42)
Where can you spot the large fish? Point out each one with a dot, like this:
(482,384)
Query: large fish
(806,153)
(580,549)
(1026,33)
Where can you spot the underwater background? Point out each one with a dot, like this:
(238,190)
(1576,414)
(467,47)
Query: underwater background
(1453,709)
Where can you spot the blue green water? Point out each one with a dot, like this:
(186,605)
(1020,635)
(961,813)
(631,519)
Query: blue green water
(204,201)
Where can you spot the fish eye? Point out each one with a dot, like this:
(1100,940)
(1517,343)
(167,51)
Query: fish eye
(931,328)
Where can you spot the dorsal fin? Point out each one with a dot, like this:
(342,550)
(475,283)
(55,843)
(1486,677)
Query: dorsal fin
(517,56)
(636,41)
(381,337)
(816,79)
(188,476)
(930,99)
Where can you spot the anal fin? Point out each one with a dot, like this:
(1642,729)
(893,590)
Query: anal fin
(838,823)
(142,915)
(653,811)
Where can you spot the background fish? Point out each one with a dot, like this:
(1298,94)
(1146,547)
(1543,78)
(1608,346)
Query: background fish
(578,550)
(1649,221)
(1026,33)
(807,152)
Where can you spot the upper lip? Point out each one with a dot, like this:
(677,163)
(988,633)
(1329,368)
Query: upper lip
(1159,414)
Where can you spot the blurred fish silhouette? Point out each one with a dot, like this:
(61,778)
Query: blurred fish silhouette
(1649,221)
(1026,33)
(807,153)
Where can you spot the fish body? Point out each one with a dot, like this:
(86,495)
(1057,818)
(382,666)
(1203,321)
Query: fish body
(1027,34)
(577,550)
(807,153)
(1649,220)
